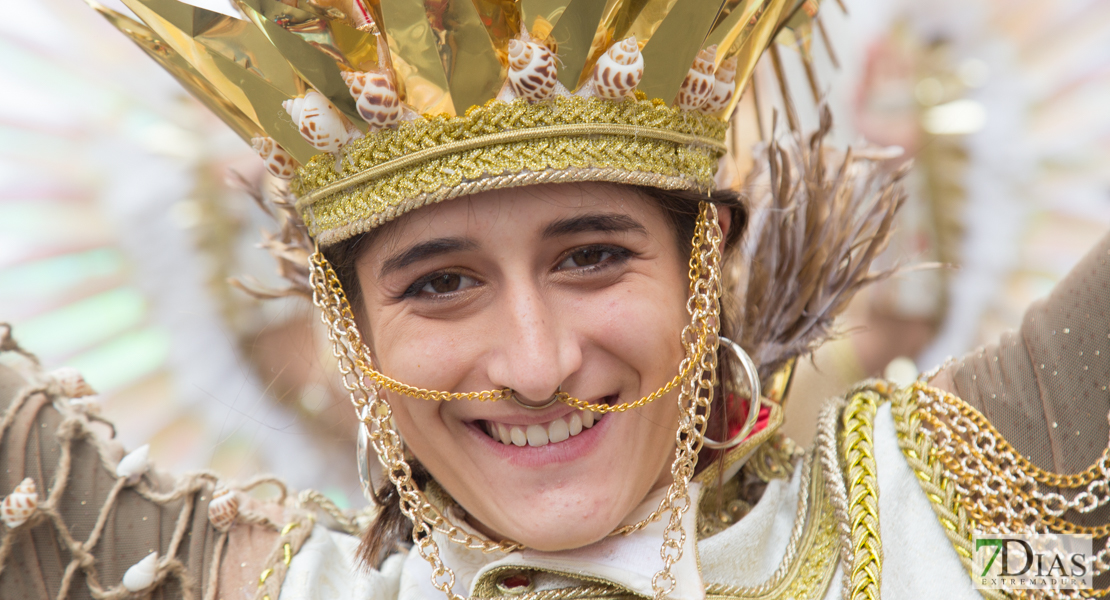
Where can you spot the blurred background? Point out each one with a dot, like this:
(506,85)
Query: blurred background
(122,217)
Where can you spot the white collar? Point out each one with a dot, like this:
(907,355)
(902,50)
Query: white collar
(629,561)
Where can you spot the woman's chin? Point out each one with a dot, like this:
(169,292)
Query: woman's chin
(556,536)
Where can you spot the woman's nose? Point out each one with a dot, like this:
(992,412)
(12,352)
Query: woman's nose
(534,351)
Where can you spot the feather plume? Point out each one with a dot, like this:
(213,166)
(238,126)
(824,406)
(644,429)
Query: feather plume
(822,217)
(290,245)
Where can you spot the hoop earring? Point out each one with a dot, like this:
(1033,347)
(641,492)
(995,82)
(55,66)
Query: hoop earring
(552,400)
(753,403)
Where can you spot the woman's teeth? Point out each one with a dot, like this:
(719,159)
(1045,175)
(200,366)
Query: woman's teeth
(556,431)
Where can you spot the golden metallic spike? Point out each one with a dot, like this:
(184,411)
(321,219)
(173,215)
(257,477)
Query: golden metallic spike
(731,32)
(186,75)
(539,17)
(750,43)
(574,36)
(199,56)
(326,28)
(247,101)
(412,47)
(672,47)
(319,68)
(726,10)
(474,73)
(502,20)
(266,102)
(234,38)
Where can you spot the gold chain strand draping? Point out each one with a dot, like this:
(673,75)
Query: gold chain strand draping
(994,486)
(917,447)
(1000,488)
(863,493)
(696,392)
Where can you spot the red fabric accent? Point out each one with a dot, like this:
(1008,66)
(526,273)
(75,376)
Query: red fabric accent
(738,408)
(516,581)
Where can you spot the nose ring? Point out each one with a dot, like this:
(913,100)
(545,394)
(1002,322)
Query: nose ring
(552,400)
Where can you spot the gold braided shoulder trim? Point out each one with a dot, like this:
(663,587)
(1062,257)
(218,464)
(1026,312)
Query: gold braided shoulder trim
(846,450)
(504,144)
(862,486)
(918,449)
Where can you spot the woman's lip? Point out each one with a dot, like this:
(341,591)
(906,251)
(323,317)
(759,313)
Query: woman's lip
(567,450)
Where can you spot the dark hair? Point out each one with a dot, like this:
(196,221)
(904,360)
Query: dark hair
(391,528)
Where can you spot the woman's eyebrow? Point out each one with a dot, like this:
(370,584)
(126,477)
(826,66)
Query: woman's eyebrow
(596,222)
(424,251)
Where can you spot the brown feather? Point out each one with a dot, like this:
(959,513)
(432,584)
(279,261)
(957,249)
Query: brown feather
(290,245)
(822,219)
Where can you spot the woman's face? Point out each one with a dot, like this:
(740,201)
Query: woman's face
(581,286)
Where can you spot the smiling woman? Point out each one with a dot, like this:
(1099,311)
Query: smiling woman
(578,288)
(555,343)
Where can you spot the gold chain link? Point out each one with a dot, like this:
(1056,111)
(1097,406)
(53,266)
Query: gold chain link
(1000,488)
(697,380)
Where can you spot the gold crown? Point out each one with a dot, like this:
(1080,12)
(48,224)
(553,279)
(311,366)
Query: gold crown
(394,104)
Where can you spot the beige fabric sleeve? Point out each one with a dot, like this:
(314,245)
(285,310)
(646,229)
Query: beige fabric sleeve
(1045,386)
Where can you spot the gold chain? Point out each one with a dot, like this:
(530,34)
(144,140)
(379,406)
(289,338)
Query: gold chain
(405,389)
(1000,488)
(697,377)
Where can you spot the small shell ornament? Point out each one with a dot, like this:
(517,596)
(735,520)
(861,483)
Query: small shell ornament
(134,464)
(89,405)
(19,505)
(223,509)
(376,98)
(70,383)
(318,121)
(698,83)
(724,86)
(141,574)
(532,72)
(278,162)
(618,71)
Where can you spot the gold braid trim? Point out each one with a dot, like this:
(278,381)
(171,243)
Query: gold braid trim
(918,449)
(861,476)
(391,172)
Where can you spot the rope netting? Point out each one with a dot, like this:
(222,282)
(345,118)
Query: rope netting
(88,527)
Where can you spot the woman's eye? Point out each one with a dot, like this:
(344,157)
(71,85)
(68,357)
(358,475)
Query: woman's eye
(589,257)
(440,283)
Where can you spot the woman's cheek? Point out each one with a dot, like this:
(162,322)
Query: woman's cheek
(636,327)
(431,355)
